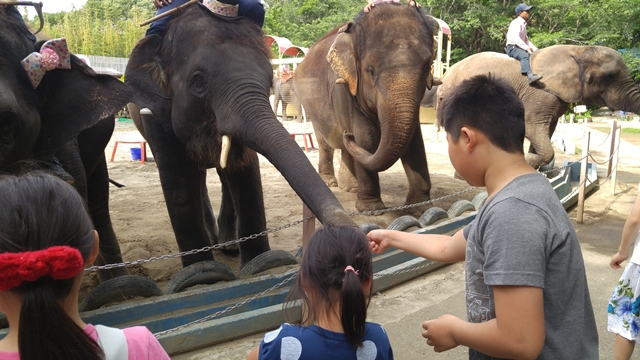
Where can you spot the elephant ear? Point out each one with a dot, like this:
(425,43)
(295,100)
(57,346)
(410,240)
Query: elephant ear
(561,70)
(76,99)
(342,59)
(146,76)
(432,28)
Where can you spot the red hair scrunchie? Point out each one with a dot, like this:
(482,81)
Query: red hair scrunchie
(59,262)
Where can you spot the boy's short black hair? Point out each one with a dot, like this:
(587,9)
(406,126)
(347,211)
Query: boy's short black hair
(489,104)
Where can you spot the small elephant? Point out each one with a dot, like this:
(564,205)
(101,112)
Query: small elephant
(361,85)
(210,109)
(69,114)
(592,75)
(283,92)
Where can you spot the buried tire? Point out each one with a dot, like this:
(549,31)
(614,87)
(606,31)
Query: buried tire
(268,260)
(479,199)
(403,223)
(119,288)
(459,207)
(366,228)
(432,215)
(203,272)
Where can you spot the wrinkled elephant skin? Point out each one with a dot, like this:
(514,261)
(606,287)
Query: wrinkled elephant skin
(361,85)
(69,115)
(206,79)
(590,75)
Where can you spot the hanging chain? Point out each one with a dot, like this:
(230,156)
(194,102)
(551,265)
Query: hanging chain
(195,251)
(265,232)
(221,312)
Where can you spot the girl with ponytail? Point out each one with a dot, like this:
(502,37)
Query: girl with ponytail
(46,240)
(334,283)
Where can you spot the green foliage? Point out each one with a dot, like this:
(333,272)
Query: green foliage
(632,59)
(100,27)
(631,130)
(305,21)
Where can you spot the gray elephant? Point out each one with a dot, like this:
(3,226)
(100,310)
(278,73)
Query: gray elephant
(592,75)
(66,111)
(361,85)
(283,92)
(210,109)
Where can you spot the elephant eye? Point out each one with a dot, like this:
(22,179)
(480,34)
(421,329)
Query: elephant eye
(199,83)
(371,71)
(6,126)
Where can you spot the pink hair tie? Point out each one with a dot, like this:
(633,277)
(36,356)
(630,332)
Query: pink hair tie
(350,268)
(59,262)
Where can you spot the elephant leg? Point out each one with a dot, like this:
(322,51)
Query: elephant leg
(541,119)
(347,178)
(98,202)
(207,213)
(540,151)
(276,100)
(325,161)
(245,187)
(414,161)
(368,197)
(284,109)
(227,221)
(182,183)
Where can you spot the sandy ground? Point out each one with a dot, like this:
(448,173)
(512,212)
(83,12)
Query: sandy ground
(143,228)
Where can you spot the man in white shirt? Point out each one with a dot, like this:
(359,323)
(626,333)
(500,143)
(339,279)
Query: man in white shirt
(518,44)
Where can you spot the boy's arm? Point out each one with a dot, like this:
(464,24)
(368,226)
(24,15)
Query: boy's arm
(517,332)
(442,248)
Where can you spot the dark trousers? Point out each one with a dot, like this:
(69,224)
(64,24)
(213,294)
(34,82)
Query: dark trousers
(522,55)
(251,9)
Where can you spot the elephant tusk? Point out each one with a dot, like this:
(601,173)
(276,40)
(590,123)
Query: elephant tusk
(341,81)
(224,153)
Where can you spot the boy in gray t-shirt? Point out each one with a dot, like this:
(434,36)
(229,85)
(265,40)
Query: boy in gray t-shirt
(526,288)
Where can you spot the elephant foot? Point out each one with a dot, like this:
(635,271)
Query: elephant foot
(415,199)
(268,260)
(119,288)
(231,250)
(349,188)
(370,205)
(104,275)
(330,180)
(203,272)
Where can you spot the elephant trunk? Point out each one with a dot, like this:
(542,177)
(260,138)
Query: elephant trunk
(398,116)
(626,97)
(269,138)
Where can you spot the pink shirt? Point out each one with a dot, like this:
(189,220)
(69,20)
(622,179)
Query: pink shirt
(140,341)
(517,35)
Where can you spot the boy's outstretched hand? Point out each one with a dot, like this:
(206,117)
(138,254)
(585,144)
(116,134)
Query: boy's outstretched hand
(439,332)
(377,241)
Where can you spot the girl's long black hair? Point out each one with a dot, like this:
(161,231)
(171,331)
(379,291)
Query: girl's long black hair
(39,211)
(323,282)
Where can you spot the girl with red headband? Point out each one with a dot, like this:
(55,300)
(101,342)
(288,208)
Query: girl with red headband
(46,240)
(334,282)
